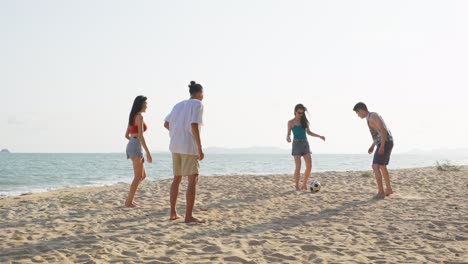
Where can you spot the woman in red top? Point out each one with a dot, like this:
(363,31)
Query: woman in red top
(134,133)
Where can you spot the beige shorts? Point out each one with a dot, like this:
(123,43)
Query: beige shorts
(185,165)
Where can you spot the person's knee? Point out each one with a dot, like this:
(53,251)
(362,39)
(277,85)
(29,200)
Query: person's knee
(138,179)
(192,180)
(376,167)
(177,179)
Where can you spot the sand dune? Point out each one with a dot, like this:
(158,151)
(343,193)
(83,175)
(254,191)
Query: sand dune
(250,219)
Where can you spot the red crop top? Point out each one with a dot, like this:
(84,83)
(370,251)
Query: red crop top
(134,128)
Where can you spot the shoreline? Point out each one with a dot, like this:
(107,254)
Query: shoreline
(250,219)
(27,193)
(2,196)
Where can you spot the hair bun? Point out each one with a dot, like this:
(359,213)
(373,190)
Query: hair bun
(192,82)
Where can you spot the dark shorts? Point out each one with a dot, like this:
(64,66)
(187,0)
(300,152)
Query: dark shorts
(385,158)
(300,147)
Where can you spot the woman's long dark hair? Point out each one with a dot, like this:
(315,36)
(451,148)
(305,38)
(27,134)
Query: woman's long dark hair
(304,121)
(137,105)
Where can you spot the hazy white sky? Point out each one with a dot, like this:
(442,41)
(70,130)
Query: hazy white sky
(69,71)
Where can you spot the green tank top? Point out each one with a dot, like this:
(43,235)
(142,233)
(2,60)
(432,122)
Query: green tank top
(299,132)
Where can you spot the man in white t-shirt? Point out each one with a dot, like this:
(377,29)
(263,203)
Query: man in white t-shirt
(183,124)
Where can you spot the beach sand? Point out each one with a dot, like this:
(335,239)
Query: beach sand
(250,219)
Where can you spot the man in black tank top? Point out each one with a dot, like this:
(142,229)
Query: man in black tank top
(382,137)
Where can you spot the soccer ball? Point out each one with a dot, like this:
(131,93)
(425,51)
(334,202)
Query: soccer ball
(315,186)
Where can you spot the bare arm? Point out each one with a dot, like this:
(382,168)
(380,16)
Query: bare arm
(288,137)
(378,125)
(166,125)
(196,135)
(312,134)
(139,120)
(371,148)
(127,133)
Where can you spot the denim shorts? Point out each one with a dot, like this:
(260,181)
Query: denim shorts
(300,147)
(134,148)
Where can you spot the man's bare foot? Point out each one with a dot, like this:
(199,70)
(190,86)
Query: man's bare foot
(131,204)
(304,188)
(175,217)
(297,190)
(379,196)
(387,193)
(193,220)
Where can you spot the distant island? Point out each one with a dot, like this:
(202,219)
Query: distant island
(4,151)
(446,151)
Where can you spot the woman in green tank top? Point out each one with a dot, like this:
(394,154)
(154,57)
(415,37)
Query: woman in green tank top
(299,125)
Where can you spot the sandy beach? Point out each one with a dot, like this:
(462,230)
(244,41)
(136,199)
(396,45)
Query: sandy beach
(250,219)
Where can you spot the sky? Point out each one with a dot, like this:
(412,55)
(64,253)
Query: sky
(69,71)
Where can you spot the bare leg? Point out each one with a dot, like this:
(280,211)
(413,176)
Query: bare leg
(378,178)
(308,170)
(190,196)
(138,171)
(297,171)
(143,173)
(386,177)
(173,197)
(141,180)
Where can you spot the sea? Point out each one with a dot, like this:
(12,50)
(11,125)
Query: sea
(24,173)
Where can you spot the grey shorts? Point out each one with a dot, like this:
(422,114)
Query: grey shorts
(134,148)
(300,147)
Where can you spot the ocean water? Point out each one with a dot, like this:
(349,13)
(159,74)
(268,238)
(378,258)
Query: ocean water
(31,173)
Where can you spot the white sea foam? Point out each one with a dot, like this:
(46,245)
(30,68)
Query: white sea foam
(33,173)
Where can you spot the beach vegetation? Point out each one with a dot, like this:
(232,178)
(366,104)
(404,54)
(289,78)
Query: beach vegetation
(446,166)
(366,174)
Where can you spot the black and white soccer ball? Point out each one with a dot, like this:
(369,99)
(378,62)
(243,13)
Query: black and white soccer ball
(315,186)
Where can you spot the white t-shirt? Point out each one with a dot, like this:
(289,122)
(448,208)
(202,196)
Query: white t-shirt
(180,126)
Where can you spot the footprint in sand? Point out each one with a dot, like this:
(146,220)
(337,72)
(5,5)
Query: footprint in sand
(235,259)
(410,196)
(310,248)
(257,242)
(212,249)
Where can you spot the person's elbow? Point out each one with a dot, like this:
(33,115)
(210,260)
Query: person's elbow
(383,132)
(166,125)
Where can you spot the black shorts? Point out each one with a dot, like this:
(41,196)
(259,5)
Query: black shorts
(385,158)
